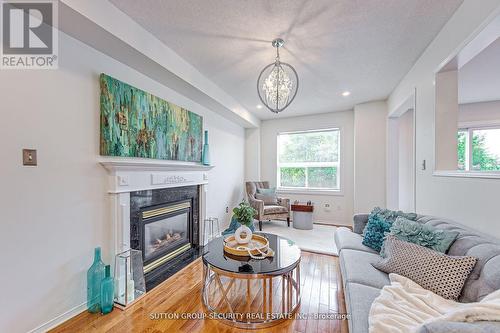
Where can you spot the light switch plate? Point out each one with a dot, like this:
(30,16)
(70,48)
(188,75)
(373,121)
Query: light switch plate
(29,157)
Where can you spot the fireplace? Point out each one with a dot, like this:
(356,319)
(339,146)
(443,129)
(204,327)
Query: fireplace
(164,226)
(164,230)
(154,187)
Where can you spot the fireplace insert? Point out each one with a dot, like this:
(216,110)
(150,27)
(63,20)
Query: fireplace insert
(166,230)
(164,226)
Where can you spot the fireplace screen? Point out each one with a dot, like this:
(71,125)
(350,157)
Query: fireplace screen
(165,230)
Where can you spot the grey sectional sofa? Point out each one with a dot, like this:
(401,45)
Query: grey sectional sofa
(362,282)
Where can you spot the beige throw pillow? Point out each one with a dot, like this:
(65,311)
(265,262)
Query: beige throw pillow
(442,274)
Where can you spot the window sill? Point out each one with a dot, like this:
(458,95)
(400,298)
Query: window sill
(310,191)
(467,174)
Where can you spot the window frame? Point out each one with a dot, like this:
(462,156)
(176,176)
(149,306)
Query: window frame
(469,130)
(311,190)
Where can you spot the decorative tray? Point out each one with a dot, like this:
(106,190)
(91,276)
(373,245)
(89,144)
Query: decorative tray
(257,247)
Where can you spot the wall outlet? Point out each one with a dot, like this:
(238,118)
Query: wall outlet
(227,209)
(326,207)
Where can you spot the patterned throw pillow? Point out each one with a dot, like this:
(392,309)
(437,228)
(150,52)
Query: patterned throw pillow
(422,234)
(379,223)
(442,274)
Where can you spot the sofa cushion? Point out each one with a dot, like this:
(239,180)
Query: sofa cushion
(357,267)
(484,278)
(272,209)
(359,299)
(359,222)
(346,239)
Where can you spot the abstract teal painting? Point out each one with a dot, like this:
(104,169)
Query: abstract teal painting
(135,123)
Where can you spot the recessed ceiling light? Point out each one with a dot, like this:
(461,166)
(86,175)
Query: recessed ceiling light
(346,93)
(259,106)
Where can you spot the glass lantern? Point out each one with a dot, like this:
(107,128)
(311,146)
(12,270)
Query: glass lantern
(129,278)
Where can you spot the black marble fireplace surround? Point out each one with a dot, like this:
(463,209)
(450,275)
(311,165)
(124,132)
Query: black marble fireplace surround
(144,200)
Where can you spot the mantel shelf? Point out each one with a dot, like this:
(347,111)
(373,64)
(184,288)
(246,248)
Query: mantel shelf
(144,164)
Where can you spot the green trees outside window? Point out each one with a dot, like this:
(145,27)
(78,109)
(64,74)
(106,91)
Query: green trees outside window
(484,152)
(309,159)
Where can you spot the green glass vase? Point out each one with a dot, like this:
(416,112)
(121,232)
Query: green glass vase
(107,291)
(95,275)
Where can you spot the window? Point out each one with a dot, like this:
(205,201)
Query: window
(478,149)
(309,160)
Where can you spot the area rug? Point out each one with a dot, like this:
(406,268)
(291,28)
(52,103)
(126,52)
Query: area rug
(320,239)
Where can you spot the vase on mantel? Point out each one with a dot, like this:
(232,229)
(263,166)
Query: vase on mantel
(205,156)
(95,275)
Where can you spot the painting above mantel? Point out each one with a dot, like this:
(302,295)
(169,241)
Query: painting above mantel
(135,123)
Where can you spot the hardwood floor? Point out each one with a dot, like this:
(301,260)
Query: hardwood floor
(321,293)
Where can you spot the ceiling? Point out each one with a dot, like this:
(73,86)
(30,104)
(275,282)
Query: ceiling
(479,79)
(362,46)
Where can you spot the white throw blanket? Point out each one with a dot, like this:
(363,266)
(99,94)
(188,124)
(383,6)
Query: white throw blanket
(403,306)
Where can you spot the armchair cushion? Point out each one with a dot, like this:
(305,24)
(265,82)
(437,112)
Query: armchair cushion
(272,209)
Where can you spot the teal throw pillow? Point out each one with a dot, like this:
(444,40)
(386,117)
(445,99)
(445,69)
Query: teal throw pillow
(267,191)
(379,223)
(423,235)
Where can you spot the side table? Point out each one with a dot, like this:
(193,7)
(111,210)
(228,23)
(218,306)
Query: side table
(302,216)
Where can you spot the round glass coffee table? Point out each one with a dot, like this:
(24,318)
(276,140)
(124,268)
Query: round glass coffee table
(251,293)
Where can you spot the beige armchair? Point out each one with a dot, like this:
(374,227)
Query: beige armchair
(278,211)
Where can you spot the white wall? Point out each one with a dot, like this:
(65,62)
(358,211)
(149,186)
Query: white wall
(341,206)
(53,215)
(252,154)
(406,163)
(486,113)
(473,202)
(370,128)
(392,165)
(446,120)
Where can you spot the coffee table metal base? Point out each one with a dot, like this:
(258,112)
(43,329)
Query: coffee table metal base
(217,282)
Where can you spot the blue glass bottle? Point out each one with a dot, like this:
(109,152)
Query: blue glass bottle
(107,291)
(205,159)
(95,275)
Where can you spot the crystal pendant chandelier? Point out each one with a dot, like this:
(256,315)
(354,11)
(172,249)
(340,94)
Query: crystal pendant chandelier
(278,82)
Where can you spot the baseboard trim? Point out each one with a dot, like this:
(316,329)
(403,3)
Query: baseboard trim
(320,252)
(335,224)
(60,319)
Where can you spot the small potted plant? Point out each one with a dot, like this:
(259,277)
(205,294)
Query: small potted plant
(243,214)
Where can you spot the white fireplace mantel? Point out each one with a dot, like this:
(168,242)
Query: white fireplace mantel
(139,174)
(145,164)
